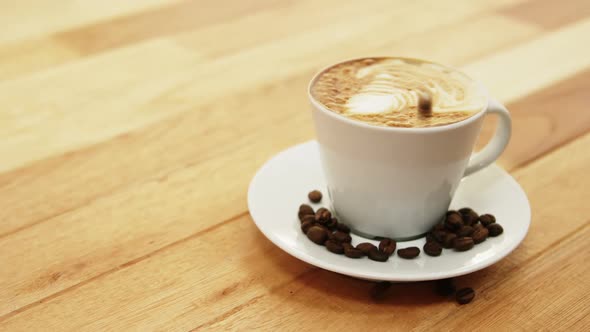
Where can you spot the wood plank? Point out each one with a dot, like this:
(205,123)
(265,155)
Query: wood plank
(49,123)
(455,41)
(161,22)
(32,55)
(535,65)
(114,229)
(31,19)
(545,120)
(27,56)
(549,14)
(21,208)
(214,286)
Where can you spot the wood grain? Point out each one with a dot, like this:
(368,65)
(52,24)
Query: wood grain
(281,286)
(549,13)
(130,131)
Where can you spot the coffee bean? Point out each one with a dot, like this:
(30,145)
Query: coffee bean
(306,225)
(342,237)
(465,295)
(463,243)
(309,217)
(332,224)
(323,216)
(480,235)
(353,253)
(487,219)
(365,247)
(469,216)
(347,245)
(376,255)
(343,228)
(495,229)
(409,253)
(477,226)
(304,210)
(379,291)
(448,241)
(432,249)
(317,234)
(464,231)
(387,246)
(453,221)
(439,227)
(445,287)
(315,196)
(439,236)
(334,246)
(430,238)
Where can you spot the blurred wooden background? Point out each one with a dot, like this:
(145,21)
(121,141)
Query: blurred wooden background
(129,131)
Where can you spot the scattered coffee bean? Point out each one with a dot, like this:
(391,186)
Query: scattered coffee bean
(469,216)
(379,291)
(353,252)
(495,229)
(448,241)
(334,246)
(463,243)
(365,247)
(480,235)
(332,224)
(309,217)
(487,219)
(439,227)
(460,229)
(465,295)
(317,234)
(342,237)
(409,253)
(315,196)
(439,236)
(445,287)
(387,246)
(379,256)
(430,238)
(343,228)
(305,210)
(346,245)
(306,225)
(464,231)
(453,221)
(323,216)
(432,249)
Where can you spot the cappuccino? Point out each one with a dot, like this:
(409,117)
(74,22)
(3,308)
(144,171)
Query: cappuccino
(398,92)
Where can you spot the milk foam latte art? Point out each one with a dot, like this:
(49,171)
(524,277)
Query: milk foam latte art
(386,92)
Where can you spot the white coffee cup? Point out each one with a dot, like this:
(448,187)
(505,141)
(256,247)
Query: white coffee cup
(399,182)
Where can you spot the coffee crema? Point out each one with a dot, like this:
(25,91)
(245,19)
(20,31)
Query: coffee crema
(387,92)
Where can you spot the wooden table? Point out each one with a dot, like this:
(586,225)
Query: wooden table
(131,129)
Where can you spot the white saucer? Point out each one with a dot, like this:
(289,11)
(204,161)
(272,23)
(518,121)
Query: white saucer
(282,184)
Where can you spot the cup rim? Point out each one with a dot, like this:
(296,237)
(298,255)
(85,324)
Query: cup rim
(364,125)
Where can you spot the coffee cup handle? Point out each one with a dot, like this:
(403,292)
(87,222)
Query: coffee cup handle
(496,146)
